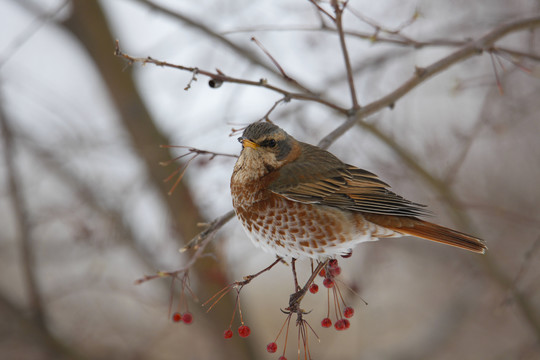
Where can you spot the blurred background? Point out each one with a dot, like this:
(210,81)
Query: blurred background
(84,210)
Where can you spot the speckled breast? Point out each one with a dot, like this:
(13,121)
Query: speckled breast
(289,228)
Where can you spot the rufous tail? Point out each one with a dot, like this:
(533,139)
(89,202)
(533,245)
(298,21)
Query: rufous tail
(429,231)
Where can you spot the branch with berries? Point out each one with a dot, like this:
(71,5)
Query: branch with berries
(338,311)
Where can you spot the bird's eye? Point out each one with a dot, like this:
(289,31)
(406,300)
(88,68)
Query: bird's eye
(269,143)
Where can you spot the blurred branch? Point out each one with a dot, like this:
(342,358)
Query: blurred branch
(133,114)
(87,22)
(41,19)
(23,224)
(87,196)
(31,337)
(376,37)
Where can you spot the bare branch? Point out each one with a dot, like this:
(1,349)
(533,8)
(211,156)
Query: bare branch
(475,47)
(338,9)
(220,77)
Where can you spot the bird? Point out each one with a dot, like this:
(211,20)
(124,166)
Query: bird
(297,200)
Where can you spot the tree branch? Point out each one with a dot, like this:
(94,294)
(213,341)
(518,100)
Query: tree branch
(220,78)
(23,224)
(475,47)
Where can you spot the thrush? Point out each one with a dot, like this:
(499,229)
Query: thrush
(298,200)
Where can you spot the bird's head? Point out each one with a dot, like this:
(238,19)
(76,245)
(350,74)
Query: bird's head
(266,147)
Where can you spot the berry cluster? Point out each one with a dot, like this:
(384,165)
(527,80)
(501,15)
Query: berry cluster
(329,274)
(186,318)
(243,331)
(328,270)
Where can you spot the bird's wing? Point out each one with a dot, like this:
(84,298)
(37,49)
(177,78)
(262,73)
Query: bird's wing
(319,177)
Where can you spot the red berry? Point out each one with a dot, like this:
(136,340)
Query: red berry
(326,322)
(244,331)
(339,325)
(227,334)
(282,358)
(348,312)
(346,323)
(314,288)
(272,347)
(322,273)
(177,317)
(187,318)
(329,283)
(335,271)
(332,263)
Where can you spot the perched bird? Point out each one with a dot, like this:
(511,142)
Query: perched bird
(298,200)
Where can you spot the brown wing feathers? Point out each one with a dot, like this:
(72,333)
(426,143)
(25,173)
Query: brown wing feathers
(336,184)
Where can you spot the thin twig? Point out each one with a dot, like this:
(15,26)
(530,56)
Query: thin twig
(338,9)
(279,67)
(193,150)
(266,116)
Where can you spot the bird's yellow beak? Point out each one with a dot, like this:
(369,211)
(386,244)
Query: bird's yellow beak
(246,142)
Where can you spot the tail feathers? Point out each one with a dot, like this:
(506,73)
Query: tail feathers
(429,231)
